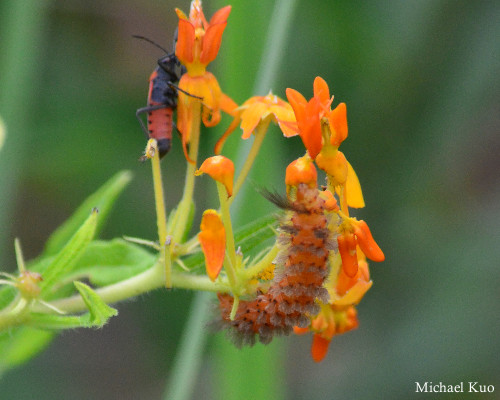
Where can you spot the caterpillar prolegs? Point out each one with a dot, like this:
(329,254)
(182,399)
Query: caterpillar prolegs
(301,269)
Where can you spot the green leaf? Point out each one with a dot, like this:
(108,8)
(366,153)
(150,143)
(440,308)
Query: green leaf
(67,257)
(99,313)
(249,237)
(20,345)
(256,232)
(103,199)
(7,294)
(107,262)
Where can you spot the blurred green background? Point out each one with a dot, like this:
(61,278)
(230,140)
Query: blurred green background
(421,82)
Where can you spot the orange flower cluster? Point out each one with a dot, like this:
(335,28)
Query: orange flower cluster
(321,129)
(198,43)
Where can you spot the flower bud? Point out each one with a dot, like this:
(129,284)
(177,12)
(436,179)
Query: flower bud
(221,169)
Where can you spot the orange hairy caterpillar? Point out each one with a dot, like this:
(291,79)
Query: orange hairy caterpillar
(301,269)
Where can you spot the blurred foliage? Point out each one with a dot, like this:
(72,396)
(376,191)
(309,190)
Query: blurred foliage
(420,80)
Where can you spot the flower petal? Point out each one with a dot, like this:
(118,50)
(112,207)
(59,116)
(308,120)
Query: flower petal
(251,116)
(321,90)
(298,103)
(211,42)
(229,130)
(220,16)
(366,242)
(221,169)
(319,347)
(228,105)
(347,250)
(288,128)
(353,189)
(338,124)
(355,294)
(185,41)
(212,239)
(310,128)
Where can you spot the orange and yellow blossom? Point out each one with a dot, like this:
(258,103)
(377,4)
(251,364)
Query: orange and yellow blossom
(198,43)
(322,130)
(340,315)
(258,109)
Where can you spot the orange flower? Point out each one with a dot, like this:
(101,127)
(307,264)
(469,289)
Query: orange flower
(198,43)
(312,115)
(329,322)
(212,239)
(355,233)
(221,169)
(308,116)
(254,111)
(322,130)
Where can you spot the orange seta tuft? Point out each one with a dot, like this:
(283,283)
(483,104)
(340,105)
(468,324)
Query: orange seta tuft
(212,239)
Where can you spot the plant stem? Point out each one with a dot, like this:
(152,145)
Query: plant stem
(183,211)
(141,283)
(259,136)
(228,226)
(161,216)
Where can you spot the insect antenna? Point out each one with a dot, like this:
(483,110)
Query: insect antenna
(150,41)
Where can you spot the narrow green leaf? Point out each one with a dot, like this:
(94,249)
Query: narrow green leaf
(67,257)
(20,345)
(107,262)
(100,312)
(103,199)
(7,294)
(256,232)
(248,238)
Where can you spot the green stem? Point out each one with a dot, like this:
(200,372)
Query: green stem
(183,210)
(228,226)
(259,136)
(14,314)
(161,216)
(142,283)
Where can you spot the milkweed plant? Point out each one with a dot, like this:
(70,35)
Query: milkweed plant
(308,281)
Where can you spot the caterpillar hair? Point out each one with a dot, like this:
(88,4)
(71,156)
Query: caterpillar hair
(301,269)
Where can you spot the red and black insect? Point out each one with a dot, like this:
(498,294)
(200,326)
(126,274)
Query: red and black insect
(162,99)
